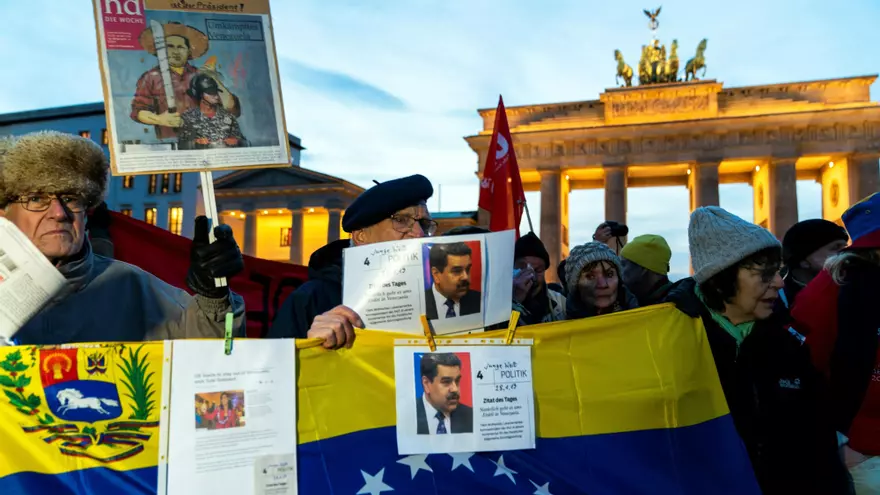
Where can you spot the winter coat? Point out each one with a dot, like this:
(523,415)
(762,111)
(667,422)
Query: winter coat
(774,396)
(546,307)
(841,325)
(321,293)
(106,300)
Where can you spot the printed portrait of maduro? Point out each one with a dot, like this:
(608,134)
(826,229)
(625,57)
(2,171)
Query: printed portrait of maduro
(439,410)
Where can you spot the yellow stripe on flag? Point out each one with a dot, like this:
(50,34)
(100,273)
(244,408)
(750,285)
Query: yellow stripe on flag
(643,369)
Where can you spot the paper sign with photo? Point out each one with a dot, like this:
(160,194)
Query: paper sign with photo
(190,85)
(459,283)
(233,416)
(464,399)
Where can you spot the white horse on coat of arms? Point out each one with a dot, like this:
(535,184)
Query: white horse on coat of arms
(71,398)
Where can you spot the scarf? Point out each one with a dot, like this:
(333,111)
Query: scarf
(738,332)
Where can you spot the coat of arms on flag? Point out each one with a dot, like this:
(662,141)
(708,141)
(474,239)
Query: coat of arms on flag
(97,401)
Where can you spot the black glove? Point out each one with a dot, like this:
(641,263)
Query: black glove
(208,261)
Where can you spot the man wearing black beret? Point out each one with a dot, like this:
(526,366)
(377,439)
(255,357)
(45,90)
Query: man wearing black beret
(390,211)
(805,248)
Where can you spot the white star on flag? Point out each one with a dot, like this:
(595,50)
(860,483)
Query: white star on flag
(502,469)
(374,484)
(415,463)
(461,459)
(541,490)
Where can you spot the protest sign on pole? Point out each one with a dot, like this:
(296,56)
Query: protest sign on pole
(190,86)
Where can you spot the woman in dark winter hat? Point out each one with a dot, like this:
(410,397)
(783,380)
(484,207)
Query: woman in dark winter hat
(838,314)
(592,276)
(771,387)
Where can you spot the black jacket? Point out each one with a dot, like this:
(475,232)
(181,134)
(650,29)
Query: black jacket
(469,304)
(460,421)
(320,294)
(775,398)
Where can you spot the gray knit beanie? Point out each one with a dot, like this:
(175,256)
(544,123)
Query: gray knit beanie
(582,256)
(719,239)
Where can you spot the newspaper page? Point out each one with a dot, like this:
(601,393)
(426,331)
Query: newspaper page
(233,417)
(27,280)
(460,283)
(190,85)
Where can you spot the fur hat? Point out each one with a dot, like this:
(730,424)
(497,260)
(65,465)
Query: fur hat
(52,162)
(583,255)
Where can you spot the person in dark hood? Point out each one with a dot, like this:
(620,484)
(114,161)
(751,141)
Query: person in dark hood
(773,391)
(645,262)
(592,275)
(536,302)
(805,248)
(390,211)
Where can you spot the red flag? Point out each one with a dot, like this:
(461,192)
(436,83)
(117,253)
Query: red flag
(501,190)
(264,284)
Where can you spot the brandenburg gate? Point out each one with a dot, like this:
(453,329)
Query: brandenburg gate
(696,134)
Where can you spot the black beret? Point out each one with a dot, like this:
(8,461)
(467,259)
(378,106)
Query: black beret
(531,245)
(805,238)
(385,199)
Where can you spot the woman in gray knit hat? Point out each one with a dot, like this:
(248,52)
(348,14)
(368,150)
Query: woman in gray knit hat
(771,387)
(592,278)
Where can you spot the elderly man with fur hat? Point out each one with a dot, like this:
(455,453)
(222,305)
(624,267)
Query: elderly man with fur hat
(48,181)
(388,211)
(772,389)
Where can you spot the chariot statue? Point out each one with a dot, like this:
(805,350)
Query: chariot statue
(655,67)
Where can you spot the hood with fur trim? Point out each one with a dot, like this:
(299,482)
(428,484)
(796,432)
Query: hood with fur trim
(52,162)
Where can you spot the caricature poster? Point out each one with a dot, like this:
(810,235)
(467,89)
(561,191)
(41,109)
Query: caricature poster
(190,86)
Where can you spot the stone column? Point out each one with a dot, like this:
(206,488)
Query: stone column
(703,184)
(615,196)
(296,232)
(863,176)
(333,224)
(551,219)
(250,229)
(782,195)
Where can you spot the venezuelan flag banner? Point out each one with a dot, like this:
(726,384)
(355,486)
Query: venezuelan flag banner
(628,403)
(80,419)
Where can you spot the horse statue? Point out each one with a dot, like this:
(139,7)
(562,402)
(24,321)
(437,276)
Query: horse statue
(672,63)
(645,67)
(71,398)
(696,63)
(623,70)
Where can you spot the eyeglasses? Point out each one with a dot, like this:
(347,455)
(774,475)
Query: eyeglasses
(41,202)
(404,224)
(767,273)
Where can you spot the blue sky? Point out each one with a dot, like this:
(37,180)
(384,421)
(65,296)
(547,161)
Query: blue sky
(380,89)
